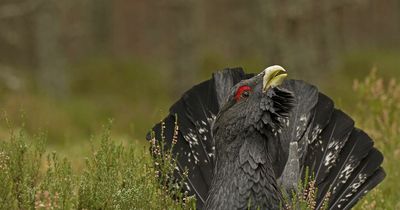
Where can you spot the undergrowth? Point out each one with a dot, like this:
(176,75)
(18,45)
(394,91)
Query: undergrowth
(378,113)
(114,177)
(305,196)
(117,176)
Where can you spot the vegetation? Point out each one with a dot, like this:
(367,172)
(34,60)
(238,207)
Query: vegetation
(70,65)
(122,175)
(114,177)
(378,112)
(304,197)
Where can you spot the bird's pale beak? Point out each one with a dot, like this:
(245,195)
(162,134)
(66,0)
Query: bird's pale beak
(274,76)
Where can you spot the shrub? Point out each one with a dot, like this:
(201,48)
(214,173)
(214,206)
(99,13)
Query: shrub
(20,163)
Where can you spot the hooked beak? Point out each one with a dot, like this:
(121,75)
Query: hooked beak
(274,76)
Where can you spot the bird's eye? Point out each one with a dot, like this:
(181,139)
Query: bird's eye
(242,92)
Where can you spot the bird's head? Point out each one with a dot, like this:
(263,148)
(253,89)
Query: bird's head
(255,108)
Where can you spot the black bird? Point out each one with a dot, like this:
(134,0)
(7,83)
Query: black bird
(247,138)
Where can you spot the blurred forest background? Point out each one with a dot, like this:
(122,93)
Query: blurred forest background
(69,65)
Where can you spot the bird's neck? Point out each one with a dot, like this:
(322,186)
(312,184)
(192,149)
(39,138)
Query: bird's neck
(244,178)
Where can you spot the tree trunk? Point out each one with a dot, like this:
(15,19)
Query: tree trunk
(52,75)
(184,54)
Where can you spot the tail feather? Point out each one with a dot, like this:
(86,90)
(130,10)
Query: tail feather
(341,157)
(324,150)
(372,182)
(293,134)
(184,155)
(332,140)
(356,149)
(301,114)
(362,179)
(321,116)
(199,113)
(197,153)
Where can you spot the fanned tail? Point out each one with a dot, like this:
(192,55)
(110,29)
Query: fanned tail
(193,147)
(342,158)
(316,137)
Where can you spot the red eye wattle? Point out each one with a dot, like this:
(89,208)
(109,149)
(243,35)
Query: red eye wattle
(242,91)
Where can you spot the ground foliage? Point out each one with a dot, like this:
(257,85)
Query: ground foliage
(124,176)
(114,177)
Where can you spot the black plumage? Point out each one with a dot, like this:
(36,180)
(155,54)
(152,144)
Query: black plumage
(244,142)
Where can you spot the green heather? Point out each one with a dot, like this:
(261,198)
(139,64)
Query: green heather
(114,177)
